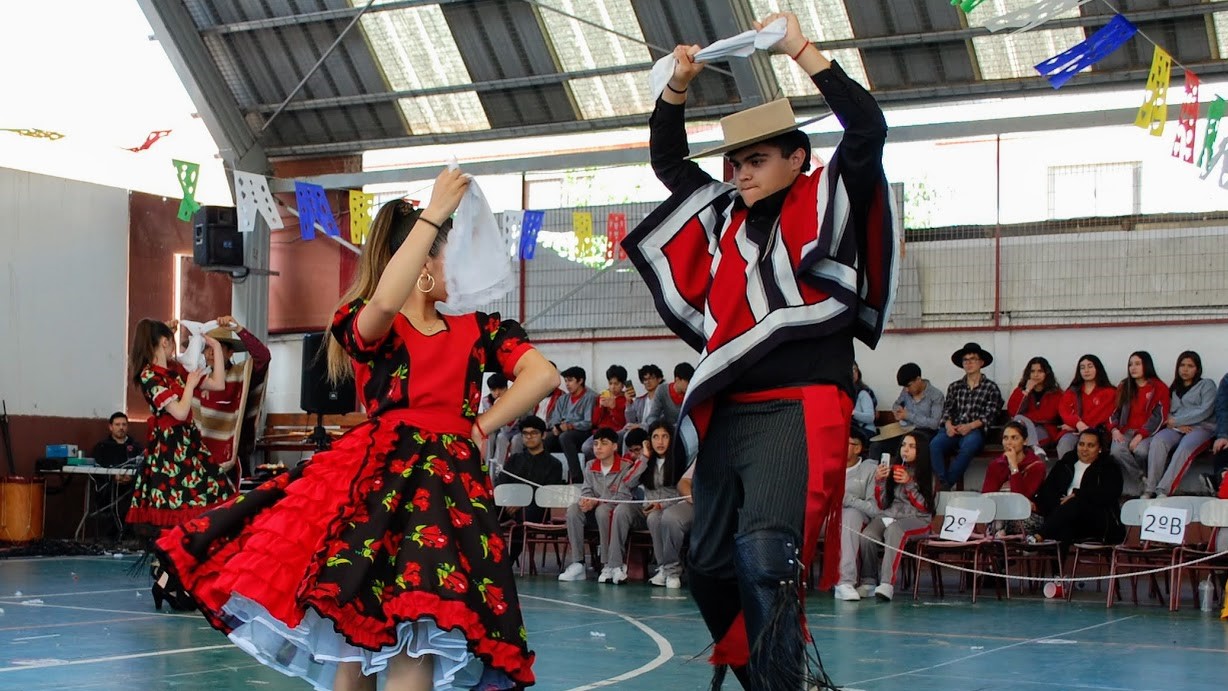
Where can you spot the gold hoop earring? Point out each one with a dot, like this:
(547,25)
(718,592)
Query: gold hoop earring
(430,287)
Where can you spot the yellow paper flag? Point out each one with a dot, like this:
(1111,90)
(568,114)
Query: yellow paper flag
(37,134)
(360,216)
(582,225)
(1154,112)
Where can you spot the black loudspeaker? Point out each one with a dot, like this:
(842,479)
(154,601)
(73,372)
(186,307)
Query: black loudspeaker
(318,395)
(216,240)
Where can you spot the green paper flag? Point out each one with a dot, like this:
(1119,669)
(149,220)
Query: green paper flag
(966,5)
(188,175)
(1214,113)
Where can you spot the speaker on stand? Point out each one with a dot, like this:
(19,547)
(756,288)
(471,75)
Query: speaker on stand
(318,395)
(216,240)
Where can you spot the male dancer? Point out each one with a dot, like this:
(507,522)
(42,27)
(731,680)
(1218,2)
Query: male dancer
(770,279)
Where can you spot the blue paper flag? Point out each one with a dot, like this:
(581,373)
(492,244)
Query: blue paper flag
(528,233)
(313,208)
(1059,69)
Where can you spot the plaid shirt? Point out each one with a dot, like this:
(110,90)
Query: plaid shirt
(964,405)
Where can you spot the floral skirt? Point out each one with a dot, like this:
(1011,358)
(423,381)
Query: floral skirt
(177,480)
(387,543)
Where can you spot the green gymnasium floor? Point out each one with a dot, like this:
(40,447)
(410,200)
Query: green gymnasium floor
(96,629)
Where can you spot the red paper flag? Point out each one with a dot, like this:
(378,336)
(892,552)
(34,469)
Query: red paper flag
(615,233)
(1187,123)
(149,140)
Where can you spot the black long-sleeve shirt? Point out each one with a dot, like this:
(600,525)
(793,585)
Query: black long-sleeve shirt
(811,361)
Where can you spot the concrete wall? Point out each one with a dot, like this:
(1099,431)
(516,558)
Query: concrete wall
(63,296)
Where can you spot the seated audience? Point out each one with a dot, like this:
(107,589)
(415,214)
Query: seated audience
(497,443)
(918,407)
(571,421)
(865,405)
(971,405)
(666,401)
(1035,402)
(1190,425)
(609,476)
(1142,407)
(118,447)
(904,492)
(668,522)
(611,406)
(1215,480)
(533,466)
(651,377)
(860,508)
(1081,498)
(635,445)
(1088,403)
(1020,470)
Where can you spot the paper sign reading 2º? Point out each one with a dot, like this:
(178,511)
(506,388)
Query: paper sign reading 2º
(957,524)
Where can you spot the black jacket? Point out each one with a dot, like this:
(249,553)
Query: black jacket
(1100,488)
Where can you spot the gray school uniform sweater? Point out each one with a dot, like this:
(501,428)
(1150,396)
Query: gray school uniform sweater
(624,476)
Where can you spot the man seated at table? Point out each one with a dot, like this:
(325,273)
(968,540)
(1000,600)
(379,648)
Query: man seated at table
(114,451)
(118,447)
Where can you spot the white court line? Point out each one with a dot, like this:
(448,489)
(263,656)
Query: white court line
(991,651)
(113,658)
(152,613)
(665,651)
(25,596)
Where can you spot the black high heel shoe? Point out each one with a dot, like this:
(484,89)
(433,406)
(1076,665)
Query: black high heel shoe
(166,588)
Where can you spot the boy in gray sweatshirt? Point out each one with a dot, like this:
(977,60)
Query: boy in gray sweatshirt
(609,476)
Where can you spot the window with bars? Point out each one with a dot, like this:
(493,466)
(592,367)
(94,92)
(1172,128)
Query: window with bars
(1100,189)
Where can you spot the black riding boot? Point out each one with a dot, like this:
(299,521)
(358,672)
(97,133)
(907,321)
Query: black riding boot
(769,571)
(719,605)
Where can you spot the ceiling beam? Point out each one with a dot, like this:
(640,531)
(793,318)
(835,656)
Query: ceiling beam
(479,87)
(806,105)
(954,35)
(638,154)
(343,14)
(175,30)
(754,78)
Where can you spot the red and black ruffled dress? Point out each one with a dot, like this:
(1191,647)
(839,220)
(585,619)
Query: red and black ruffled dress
(177,480)
(388,543)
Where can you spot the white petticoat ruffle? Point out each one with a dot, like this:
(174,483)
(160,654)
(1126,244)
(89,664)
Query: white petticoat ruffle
(313,649)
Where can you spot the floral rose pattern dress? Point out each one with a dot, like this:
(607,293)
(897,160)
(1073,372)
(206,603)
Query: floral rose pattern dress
(177,481)
(387,543)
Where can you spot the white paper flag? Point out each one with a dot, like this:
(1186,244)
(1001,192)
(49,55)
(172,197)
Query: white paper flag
(252,196)
(1032,16)
(513,220)
(740,46)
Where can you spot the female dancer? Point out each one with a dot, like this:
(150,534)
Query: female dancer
(177,481)
(385,553)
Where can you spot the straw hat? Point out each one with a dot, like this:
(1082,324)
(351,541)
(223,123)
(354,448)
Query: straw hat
(754,125)
(228,337)
(891,431)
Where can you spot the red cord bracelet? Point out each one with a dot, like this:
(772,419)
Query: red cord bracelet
(799,52)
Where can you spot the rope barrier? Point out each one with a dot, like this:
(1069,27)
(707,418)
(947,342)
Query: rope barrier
(918,557)
(499,469)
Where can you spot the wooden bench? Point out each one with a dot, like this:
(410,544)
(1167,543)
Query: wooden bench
(291,431)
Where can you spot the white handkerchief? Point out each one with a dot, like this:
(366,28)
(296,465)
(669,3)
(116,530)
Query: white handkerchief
(740,46)
(193,357)
(477,263)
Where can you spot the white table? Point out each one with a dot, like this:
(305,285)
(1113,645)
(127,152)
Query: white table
(96,475)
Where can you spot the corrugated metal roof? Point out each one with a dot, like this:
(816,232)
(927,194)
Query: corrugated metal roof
(432,71)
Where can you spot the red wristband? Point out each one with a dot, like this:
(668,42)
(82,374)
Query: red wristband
(799,52)
(479,426)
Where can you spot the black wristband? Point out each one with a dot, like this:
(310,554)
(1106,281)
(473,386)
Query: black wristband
(429,222)
(673,89)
